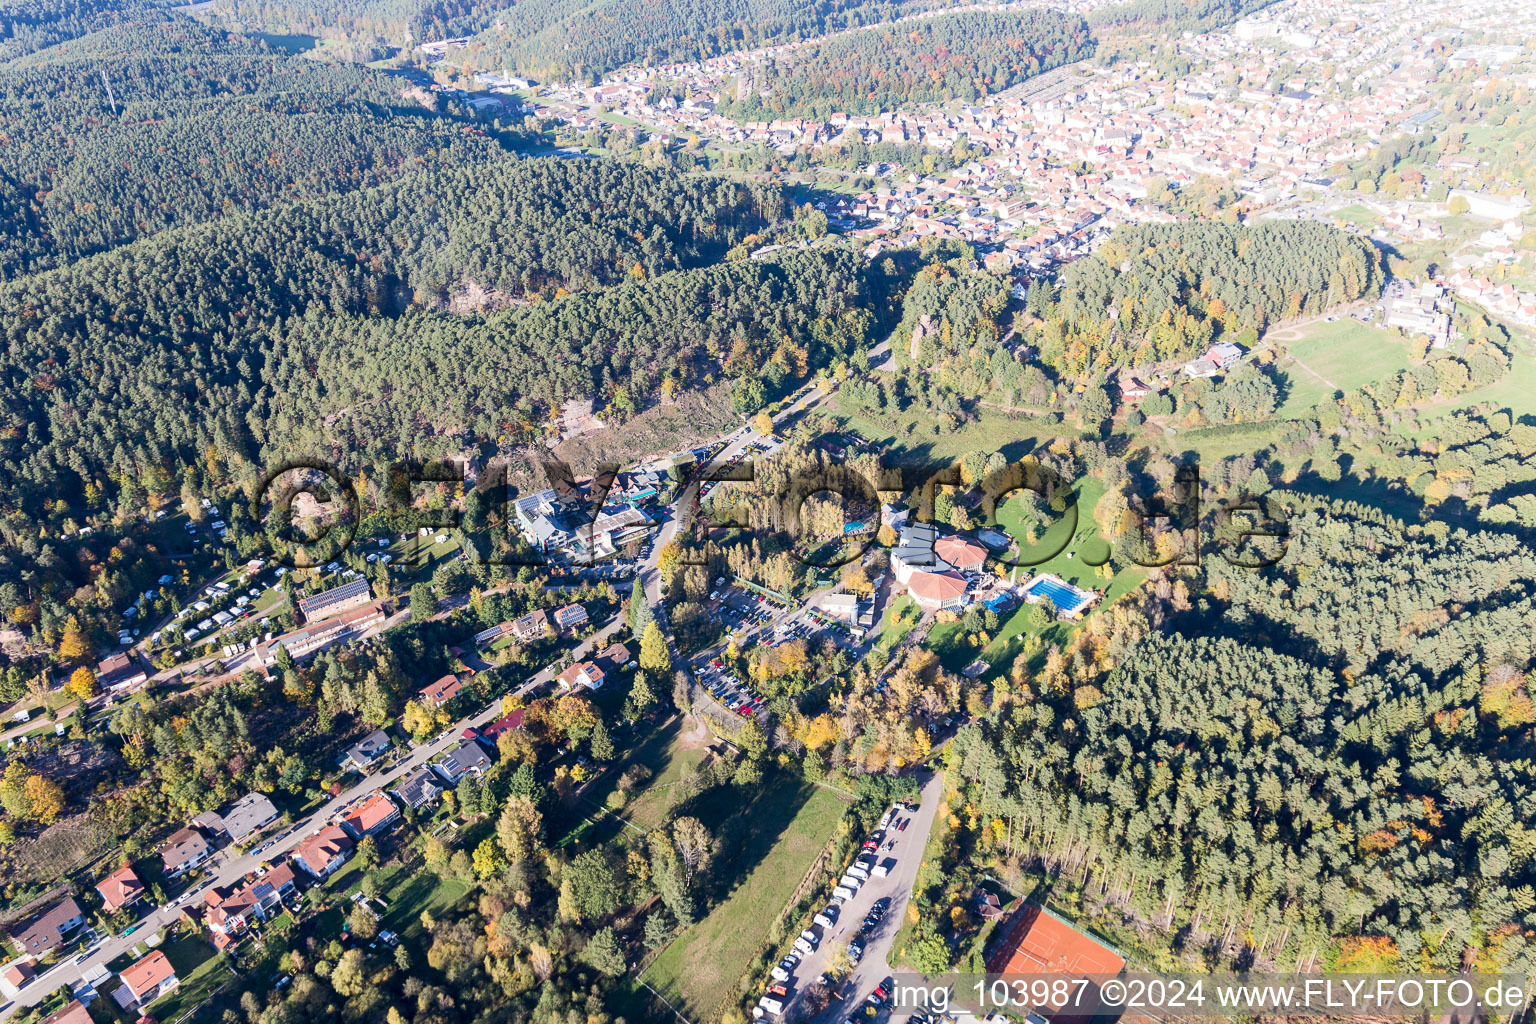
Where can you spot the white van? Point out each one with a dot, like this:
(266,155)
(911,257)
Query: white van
(778,973)
(859,871)
(884,867)
(843,893)
(851,882)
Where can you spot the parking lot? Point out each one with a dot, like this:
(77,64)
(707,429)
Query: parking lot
(863,922)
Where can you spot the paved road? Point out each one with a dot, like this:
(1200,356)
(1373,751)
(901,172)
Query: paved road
(874,967)
(230,866)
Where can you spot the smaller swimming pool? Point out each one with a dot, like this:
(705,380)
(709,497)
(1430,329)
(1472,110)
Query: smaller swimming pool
(1063,595)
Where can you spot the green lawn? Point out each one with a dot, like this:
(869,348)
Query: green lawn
(919,434)
(408,890)
(668,757)
(1513,393)
(1347,354)
(699,970)
(1074,539)
(901,615)
(1069,537)
(200,969)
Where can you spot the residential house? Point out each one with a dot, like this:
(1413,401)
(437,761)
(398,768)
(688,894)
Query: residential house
(533,626)
(570,618)
(73,1012)
(336,600)
(375,814)
(122,888)
(1224,355)
(45,933)
(119,672)
(613,657)
(417,789)
(323,854)
(17,975)
(243,819)
(1132,389)
(468,758)
(583,673)
(442,691)
(361,755)
(230,911)
(149,979)
(492,732)
(185,850)
(489,636)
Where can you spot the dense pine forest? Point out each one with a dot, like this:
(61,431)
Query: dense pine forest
(161,122)
(133,356)
(1165,291)
(966,56)
(1336,745)
(1166,16)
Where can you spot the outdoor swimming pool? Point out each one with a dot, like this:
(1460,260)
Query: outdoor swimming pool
(1063,595)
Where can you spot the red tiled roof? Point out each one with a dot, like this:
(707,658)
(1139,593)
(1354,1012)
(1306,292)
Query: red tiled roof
(373,813)
(936,586)
(318,851)
(504,724)
(120,888)
(148,973)
(960,552)
(19,973)
(444,689)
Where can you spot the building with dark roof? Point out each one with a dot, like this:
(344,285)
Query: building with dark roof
(335,601)
(120,671)
(468,758)
(45,933)
(417,789)
(185,850)
(245,817)
(532,626)
(365,751)
(914,551)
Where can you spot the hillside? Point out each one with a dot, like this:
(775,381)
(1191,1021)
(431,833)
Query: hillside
(156,348)
(962,56)
(162,122)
